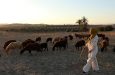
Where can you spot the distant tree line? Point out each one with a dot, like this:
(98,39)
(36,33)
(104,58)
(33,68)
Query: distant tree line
(106,28)
(43,29)
(54,28)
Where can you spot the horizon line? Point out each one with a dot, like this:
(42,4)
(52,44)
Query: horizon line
(50,24)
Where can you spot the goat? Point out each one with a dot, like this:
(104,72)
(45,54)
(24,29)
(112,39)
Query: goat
(31,47)
(80,43)
(59,44)
(27,42)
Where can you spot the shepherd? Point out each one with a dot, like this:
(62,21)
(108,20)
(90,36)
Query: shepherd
(92,46)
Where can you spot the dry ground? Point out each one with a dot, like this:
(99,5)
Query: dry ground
(51,63)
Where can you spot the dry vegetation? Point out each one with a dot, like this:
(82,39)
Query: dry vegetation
(51,63)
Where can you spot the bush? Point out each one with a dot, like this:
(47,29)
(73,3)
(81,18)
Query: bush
(109,28)
(106,28)
(101,28)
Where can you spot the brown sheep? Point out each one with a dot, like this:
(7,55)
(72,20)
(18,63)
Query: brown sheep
(86,36)
(101,35)
(78,35)
(31,47)
(13,45)
(59,44)
(56,39)
(79,44)
(70,37)
(104,44)
(82,35)
(38,39)
(27,42)
(8,42)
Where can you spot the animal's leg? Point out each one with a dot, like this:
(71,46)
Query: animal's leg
(81,48)
(105,48)
(64,47)
(10,50)
(78,48)
(57,48)
(53,49)
(30,52)
(102,49)
(7,50)
(22,51)
(60,48)
(47,48)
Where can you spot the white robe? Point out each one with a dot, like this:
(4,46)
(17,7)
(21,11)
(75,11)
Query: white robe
(92,60)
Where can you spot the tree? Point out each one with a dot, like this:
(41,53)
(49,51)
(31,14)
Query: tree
(82,24)
(85,23)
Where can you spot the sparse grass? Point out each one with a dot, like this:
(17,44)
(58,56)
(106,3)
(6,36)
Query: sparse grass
(51,63)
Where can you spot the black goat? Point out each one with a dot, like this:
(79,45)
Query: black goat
(49,39)
(44,46)
(79,44)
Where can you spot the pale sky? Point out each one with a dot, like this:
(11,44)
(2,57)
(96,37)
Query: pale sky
(57,11)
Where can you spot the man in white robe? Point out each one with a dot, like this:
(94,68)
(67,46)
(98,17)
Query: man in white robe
(92,52)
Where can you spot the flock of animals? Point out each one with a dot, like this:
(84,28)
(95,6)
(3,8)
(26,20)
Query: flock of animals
(58,43)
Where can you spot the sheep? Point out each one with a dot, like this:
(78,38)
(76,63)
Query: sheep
(114,49)
(80,43)
(8,42)
(44,46)
(70,37)
(49,39)
(27,42)
(101,35)
(13,45)
(38,39)
(56,39)
(66,37)
(31,47)
(104,43)
(86,36)
(78,35)
(59,44)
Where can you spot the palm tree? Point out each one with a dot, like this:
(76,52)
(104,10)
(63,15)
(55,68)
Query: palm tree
(80,23)
(85,23)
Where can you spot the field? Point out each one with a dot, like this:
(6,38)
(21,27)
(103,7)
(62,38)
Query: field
(64,62)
